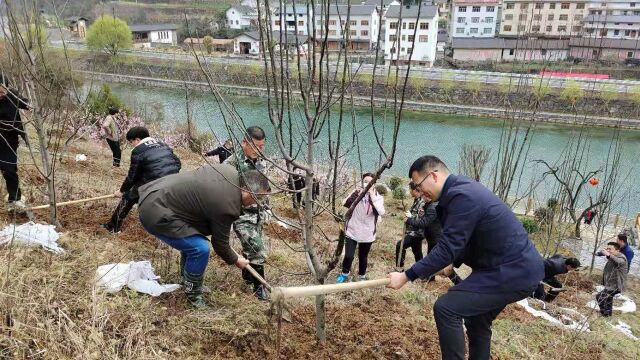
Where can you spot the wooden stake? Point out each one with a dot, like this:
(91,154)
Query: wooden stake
(282,293)
(103,197)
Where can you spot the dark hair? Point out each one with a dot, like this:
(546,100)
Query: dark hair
(622,237)
(427,162)
(255,133)
(614,244)
(113,110)
(366,174)
(573,262)
(254,181)
(137,132)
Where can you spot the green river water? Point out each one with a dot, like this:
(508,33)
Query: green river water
(421,133)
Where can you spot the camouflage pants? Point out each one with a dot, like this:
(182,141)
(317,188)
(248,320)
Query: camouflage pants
(248,227)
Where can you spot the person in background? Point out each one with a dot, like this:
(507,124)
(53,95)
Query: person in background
(249,226)
(360,230)
(614,276)
(555,265)
(481,231)
(223,151)
(11,129)
(112,134)
(183,209)
(150,160)
(625,249)
(413,233)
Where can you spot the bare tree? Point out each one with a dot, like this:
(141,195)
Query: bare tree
(473,159)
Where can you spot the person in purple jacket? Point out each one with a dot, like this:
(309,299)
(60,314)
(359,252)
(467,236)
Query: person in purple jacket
(481,231)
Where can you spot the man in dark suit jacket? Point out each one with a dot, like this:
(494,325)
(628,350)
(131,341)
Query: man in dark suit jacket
(481,231)
(183,209)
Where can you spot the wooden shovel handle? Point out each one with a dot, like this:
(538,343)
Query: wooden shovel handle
(281,293)
(73,202)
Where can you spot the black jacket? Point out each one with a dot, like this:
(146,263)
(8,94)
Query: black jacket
(481,231)
(222,152)
(10,121)
(429,223)
(554,265)
(150,160)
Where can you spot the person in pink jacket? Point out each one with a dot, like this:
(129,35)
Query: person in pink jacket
(361,228)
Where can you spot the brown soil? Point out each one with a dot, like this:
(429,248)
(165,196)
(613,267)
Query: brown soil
(373,329)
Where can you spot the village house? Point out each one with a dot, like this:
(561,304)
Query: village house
(218,45)
(604,49)
(78,26)
(361,26)
(473,18)
(248,43)
(296,18)
(500,49)
(154,35)
(542,18)
(400,45)
(613,19)
(242,17)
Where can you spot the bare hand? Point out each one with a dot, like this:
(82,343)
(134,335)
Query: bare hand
(117,194)
(398,279)
(241,263)
(606,252)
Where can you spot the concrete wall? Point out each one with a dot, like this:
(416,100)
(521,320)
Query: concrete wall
(547,117)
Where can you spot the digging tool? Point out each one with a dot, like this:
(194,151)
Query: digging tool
(285,314)
(283,293)
(103,197)
(551,288)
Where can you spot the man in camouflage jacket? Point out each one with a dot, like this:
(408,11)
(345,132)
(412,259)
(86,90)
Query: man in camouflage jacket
(249,226)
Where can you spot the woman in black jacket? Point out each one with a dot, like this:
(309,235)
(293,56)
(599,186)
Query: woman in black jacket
(11,129)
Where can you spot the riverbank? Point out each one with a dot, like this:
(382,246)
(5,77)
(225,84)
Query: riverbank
(464,110)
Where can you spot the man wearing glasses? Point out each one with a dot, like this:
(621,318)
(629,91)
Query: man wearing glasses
(481,231)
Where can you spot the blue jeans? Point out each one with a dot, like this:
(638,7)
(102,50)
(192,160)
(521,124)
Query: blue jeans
(194,250)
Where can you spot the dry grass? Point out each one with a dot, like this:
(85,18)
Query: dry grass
(51,310)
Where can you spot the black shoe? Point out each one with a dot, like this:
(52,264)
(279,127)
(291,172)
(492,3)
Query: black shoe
(261,293)
(247,277)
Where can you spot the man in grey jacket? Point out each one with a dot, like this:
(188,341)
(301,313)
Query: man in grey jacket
(183,209)
(613,277)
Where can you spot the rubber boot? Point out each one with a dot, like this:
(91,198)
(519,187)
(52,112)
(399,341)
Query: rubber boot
(193,290)
(259,289)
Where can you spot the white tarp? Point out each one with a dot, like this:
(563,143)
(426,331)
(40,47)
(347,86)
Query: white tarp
(568,318)
(625,329)
(81,157)
(627,306)
(136,275)
(32,234)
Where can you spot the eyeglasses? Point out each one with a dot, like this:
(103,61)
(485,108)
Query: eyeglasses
(417,186)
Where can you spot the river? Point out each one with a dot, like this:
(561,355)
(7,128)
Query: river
(420,133)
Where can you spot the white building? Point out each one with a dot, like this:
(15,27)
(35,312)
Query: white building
(247,43)
(613,19)
(361,26)
(293,18)
(401,46)
(147,36)
(473,18)
(242,17)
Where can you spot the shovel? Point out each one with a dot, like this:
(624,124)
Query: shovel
(286,314)
(103,197)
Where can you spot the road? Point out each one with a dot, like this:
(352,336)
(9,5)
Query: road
(621,86)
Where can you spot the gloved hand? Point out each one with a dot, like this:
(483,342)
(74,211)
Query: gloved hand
(268,215)
(408,214)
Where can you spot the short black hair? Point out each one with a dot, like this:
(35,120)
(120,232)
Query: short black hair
(622,237)
(255,133)
(113,110)
(573,262)
(367,174)
(137,132)
(615,245)
(425,163)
